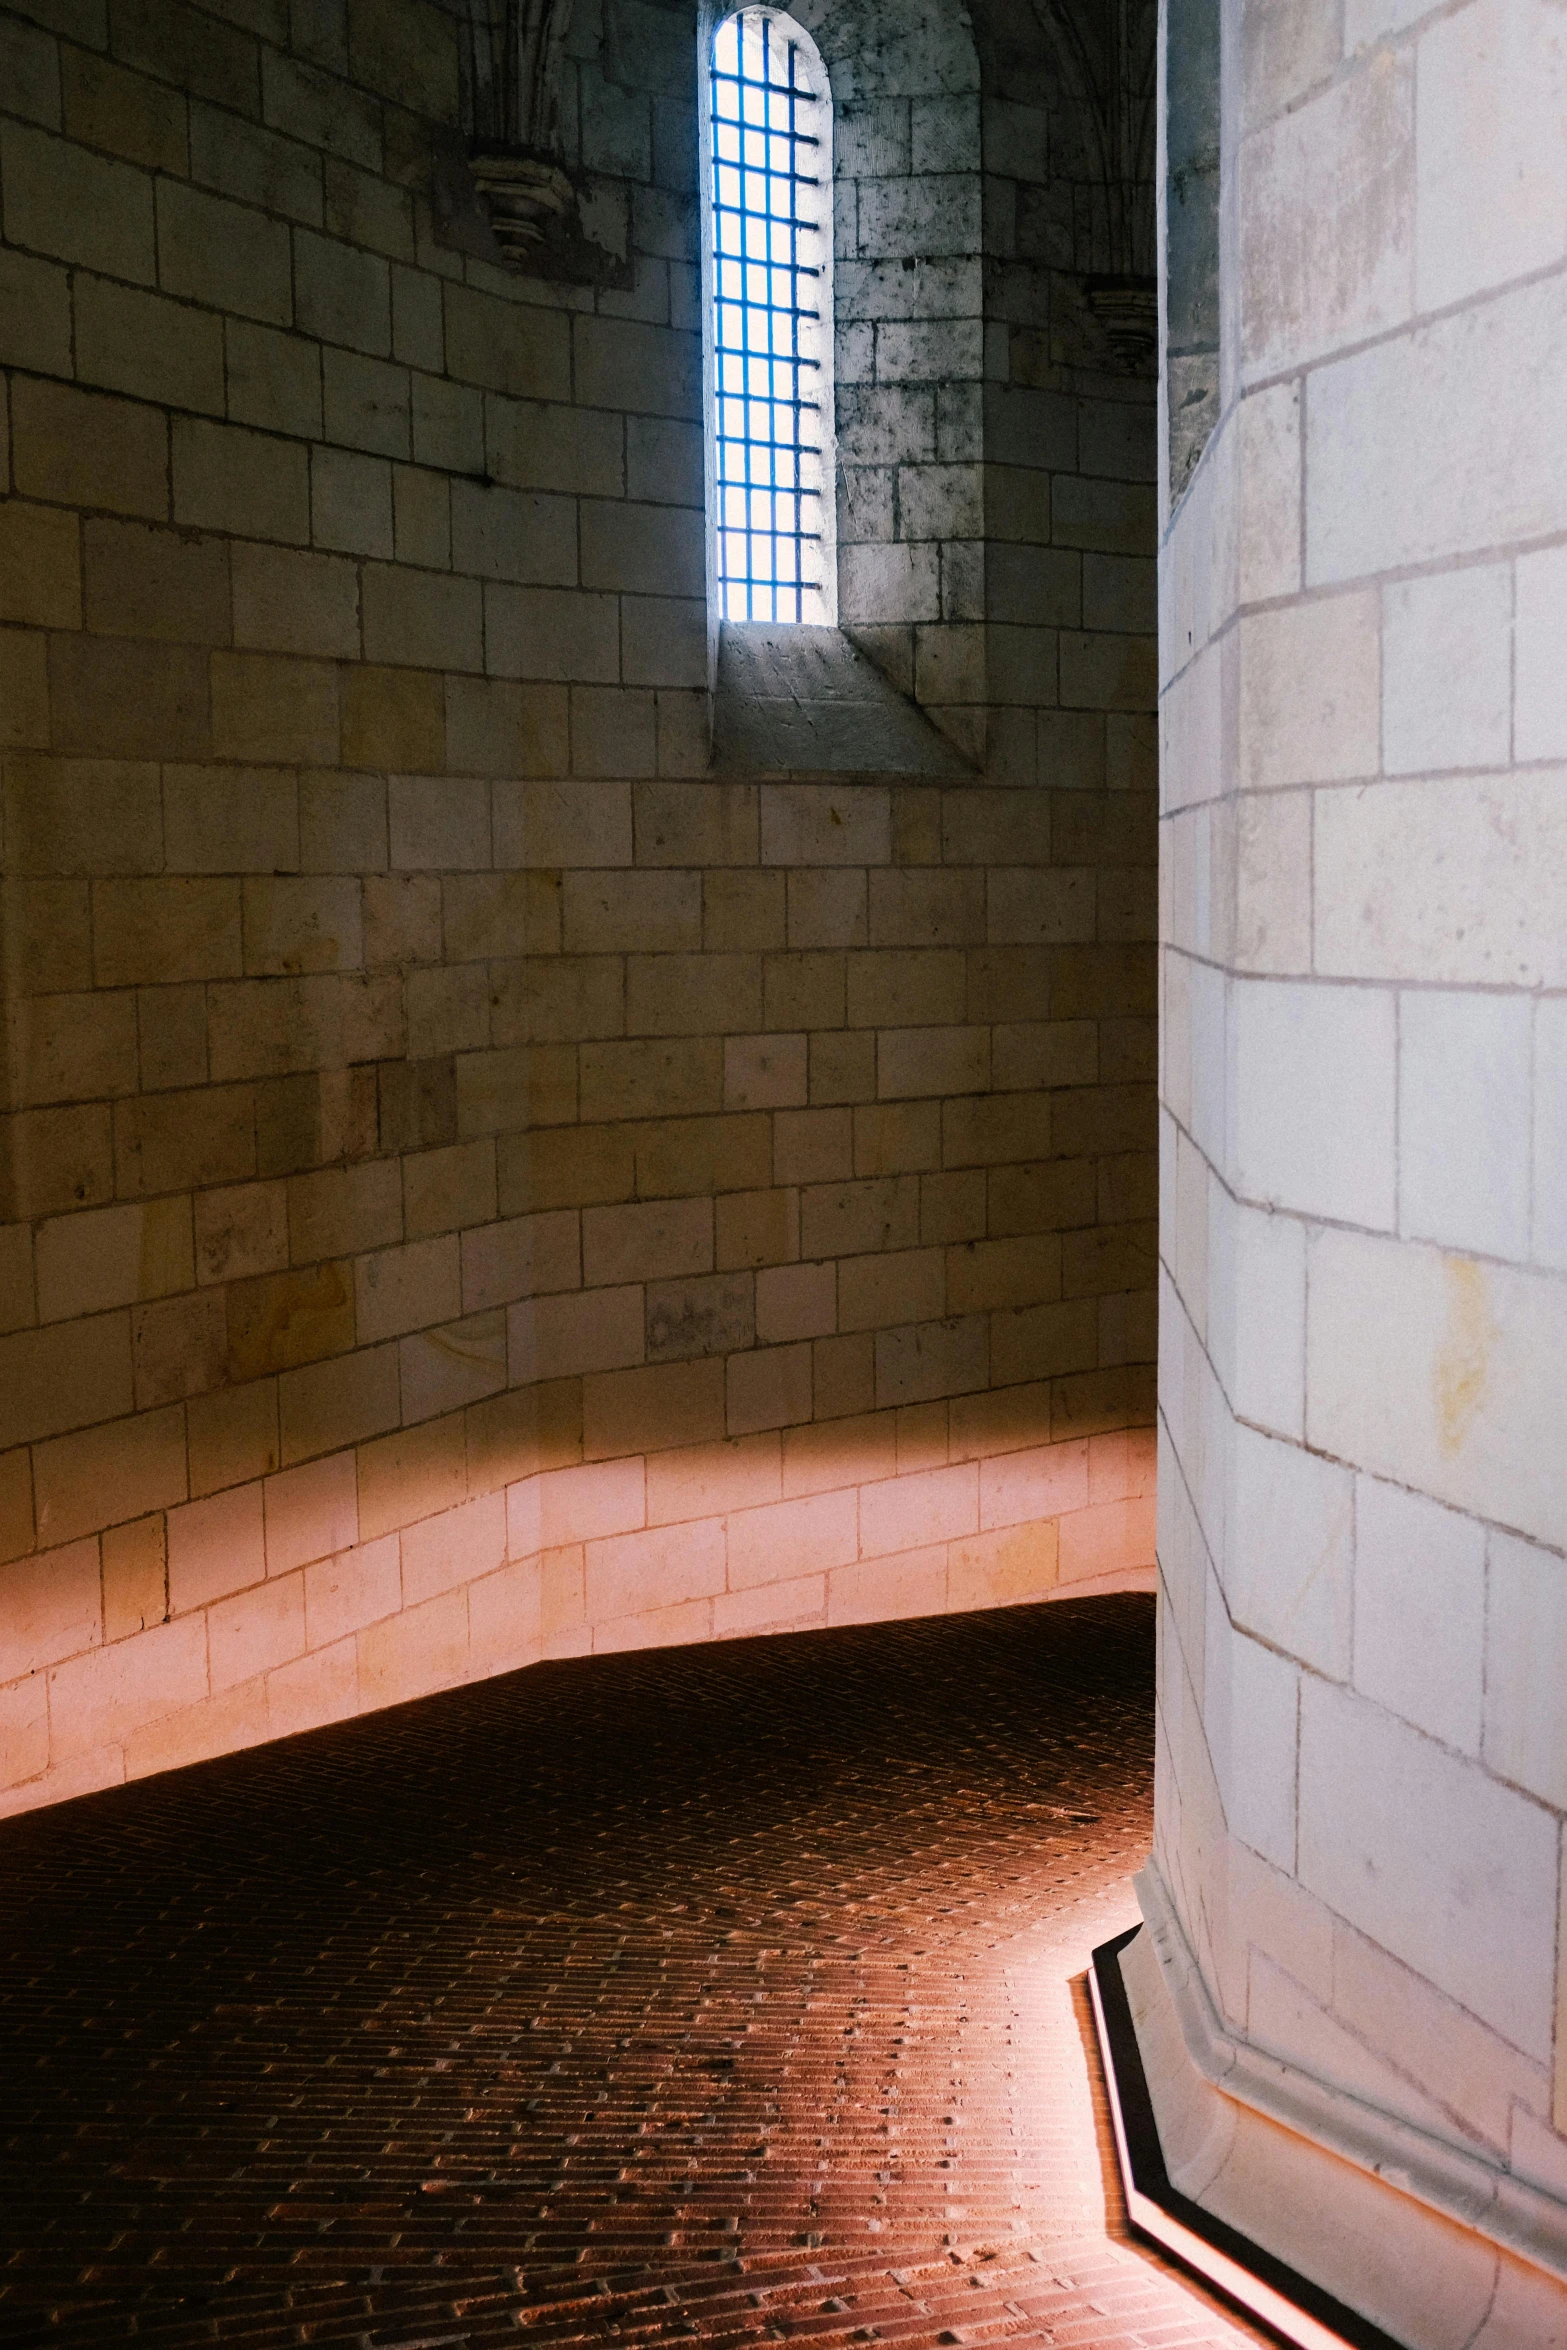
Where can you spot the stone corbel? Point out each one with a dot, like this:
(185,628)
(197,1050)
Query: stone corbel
(526,213)
(505,192)
(1128,310)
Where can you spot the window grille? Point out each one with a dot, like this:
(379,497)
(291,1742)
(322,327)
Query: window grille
(771,211)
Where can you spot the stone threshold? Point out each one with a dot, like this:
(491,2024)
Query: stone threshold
(1264,2287)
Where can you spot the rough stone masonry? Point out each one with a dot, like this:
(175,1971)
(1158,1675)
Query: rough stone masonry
(481,1184)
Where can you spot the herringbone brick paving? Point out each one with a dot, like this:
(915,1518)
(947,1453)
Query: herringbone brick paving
(718,1995)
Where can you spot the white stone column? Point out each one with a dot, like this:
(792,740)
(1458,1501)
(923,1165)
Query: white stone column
(1356,2027)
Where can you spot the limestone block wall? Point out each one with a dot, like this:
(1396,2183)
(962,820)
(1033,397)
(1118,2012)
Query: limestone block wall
(1069,442)
(908,300)
(1190,187)
(476,1185)
(1363,1488)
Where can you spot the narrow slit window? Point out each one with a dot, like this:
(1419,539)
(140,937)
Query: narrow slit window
(770,130)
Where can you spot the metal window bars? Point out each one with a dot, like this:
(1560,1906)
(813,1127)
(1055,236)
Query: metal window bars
(771,247)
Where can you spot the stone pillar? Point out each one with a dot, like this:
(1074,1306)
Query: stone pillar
(1351,2002)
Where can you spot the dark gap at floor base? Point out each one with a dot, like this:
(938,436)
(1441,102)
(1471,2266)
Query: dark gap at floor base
(1227,2262)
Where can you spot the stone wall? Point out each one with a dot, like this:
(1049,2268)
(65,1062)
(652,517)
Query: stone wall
(1363,1487)
(910,348)
(480,1186)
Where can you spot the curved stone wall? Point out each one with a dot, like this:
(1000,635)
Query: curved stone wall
(1363,1488)
(476,1182)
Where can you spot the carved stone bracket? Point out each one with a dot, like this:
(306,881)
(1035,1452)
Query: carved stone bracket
(506,193)
(526,213)
(1128,310)
(526,198)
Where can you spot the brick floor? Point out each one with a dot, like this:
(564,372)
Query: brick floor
(719,1995)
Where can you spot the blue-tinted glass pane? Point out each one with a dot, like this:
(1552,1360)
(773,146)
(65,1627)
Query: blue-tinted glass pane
(767,242)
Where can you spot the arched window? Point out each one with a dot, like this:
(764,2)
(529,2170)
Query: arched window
(770,322)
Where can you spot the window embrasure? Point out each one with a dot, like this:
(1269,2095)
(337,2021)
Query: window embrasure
(1191,233)
(770,322)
